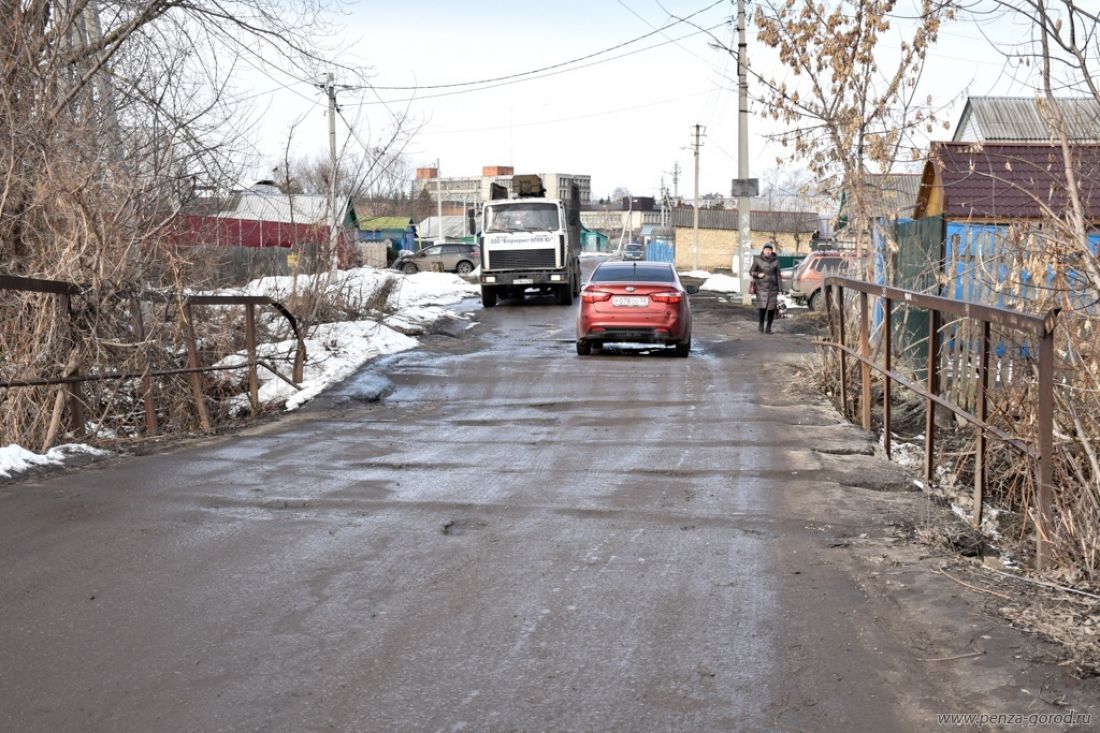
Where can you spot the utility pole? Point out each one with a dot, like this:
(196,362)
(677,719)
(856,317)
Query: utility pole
(676,180)
(744,186)
(664,204)
(334,232)
(695,248)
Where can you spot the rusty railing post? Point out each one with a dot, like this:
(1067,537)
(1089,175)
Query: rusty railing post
(843,360)
(865,362)
(887,359)
(933,389)
(299,362)
(980,465)
(250,337)
(193,363)
(72,369)
(1044,529)
(146,380)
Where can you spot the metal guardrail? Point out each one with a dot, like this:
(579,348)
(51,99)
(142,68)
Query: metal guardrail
(1041,327)
(73,379)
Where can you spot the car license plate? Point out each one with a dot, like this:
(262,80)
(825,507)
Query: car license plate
(630,301)
(522,281)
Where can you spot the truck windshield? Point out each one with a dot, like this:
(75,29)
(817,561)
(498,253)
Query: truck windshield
(532,217)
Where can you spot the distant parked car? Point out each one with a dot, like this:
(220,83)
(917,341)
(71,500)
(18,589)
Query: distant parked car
(634,252)
(809,276)
(636,302)
(452,257)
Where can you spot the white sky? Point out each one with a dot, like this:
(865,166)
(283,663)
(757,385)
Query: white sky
(624,122)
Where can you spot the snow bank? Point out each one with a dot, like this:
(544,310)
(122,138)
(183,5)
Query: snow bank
(15,460)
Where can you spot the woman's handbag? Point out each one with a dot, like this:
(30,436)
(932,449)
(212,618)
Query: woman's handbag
(752,287)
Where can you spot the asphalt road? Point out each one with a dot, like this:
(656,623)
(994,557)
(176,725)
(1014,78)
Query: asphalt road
(488,534)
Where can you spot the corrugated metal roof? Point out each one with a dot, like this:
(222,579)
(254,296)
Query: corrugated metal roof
(897,193)
(453,226)
(1012,180)
(1022,119)
(264,202)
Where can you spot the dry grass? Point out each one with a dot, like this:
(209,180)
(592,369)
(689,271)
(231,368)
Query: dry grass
(1013,407)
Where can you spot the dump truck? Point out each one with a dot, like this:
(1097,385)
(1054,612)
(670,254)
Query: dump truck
(530,244)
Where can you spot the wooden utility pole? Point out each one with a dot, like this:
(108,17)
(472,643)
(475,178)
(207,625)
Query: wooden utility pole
(695,247)
(744,203)
(334,233)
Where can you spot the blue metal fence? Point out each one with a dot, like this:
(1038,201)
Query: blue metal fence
(657,250)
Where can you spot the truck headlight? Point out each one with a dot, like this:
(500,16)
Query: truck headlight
(555,278)
(490,278)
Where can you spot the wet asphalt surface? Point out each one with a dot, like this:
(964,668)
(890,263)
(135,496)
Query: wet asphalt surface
(487,534)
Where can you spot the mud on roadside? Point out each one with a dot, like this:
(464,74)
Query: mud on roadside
(952,601)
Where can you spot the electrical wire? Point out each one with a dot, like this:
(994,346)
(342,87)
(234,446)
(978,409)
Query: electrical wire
(533,78)
(551,67)
(570,119)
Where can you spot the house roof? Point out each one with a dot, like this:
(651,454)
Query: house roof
(898,192)
(453,226)
(265,202)
(1006,180)
(1025,119)
(890,196)
(384,223)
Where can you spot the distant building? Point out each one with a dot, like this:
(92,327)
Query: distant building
(719,234)
(477,189)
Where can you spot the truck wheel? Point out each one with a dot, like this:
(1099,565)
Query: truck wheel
(576,285)
(565,294)
(814,301)
(488,296)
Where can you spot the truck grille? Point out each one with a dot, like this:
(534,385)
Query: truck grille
(520,258)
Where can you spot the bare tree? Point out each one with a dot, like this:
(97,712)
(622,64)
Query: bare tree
(112,115)
(848,114)
(1060,57)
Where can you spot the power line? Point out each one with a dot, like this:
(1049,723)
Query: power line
(534,78)
(551,67)
(571,119)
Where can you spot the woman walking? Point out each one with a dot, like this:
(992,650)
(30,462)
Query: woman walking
(768,285)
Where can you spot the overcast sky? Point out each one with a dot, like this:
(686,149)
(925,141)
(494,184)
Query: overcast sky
(624,117)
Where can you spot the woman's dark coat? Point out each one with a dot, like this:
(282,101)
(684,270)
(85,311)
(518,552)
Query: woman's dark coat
(770,286)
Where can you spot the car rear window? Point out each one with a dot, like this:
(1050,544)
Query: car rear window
(645,273)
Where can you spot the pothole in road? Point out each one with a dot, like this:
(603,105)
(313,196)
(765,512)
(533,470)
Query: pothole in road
(454,527)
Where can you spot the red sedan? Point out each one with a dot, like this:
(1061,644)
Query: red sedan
(635,302)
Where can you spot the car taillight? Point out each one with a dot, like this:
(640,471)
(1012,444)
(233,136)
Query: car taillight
(671,297)
(594,296)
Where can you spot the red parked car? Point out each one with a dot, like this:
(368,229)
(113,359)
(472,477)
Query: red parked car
(635,302)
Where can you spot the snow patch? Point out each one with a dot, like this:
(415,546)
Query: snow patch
(15,460)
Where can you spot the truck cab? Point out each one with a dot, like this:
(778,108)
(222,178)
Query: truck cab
(530,243)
